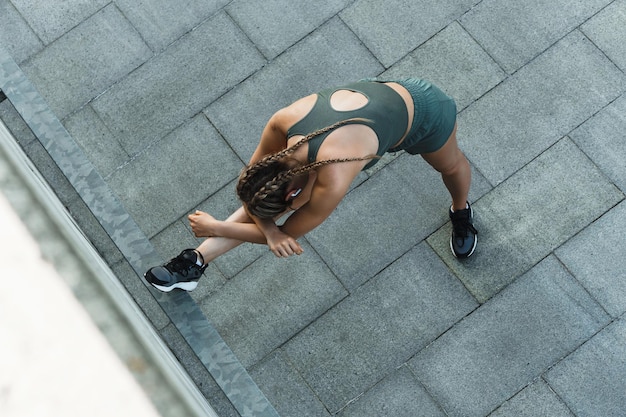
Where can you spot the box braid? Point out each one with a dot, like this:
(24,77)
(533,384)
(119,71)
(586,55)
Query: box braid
(262,186)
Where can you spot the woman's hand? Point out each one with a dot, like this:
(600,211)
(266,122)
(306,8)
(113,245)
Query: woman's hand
(202,224)
(282,245)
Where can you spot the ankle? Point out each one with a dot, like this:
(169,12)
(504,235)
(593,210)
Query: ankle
(454,208)
(199,258)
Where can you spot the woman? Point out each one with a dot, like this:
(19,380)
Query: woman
(309,154)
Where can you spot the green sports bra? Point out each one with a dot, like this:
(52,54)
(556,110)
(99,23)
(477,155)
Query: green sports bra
(385,112)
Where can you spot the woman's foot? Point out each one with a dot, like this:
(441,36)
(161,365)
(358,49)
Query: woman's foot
(463,239)
(182,272)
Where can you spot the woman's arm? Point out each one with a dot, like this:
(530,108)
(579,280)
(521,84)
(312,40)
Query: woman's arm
(281,240)
(246,232)
(280,243)
(273,137)
(331,185)
(243,229)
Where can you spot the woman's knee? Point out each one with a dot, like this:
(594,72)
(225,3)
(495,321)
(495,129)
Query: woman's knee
(447,160)
(454,166)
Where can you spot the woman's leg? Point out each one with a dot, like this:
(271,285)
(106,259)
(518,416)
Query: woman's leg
(457,176)
(213,247)
(454,168)
(185,270)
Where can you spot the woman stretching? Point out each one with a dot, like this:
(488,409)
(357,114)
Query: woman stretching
(309,154)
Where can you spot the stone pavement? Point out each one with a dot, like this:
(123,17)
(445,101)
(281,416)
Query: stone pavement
(167,102)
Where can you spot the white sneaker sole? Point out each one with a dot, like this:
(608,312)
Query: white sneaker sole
(187,286)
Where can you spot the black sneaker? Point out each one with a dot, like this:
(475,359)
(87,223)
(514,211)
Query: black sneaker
(463,239)
(181,272)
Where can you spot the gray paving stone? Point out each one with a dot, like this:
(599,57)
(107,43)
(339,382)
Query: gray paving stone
(280,23)
(14,122)
(536,400)
(528,216)
(394,28)
(173,177)
(401,205)
(93,229)
(537,106)
(591,380)
(15,34)
(500,348)
(161,22)
(381,325)
(411,212)
(269,302)
(50,172)
(173,239)
(596,258)
(601,139)
(177,83)
(198,372)
(454,62)
(398,395)
(140,293)
(52,18)
(285,388)
(607,30)
(515,32)
(313,64)
(86,61)
(100,146)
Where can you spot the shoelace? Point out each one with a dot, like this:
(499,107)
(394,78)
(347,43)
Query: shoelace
(178,265)
(461,224)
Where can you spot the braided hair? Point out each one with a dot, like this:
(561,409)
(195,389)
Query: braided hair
(262,186)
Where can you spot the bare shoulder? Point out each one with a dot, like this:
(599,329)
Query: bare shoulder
(274,135)
(336,178)
(293,113)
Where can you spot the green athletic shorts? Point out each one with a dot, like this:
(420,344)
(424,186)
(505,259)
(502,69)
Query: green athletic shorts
(434,119)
